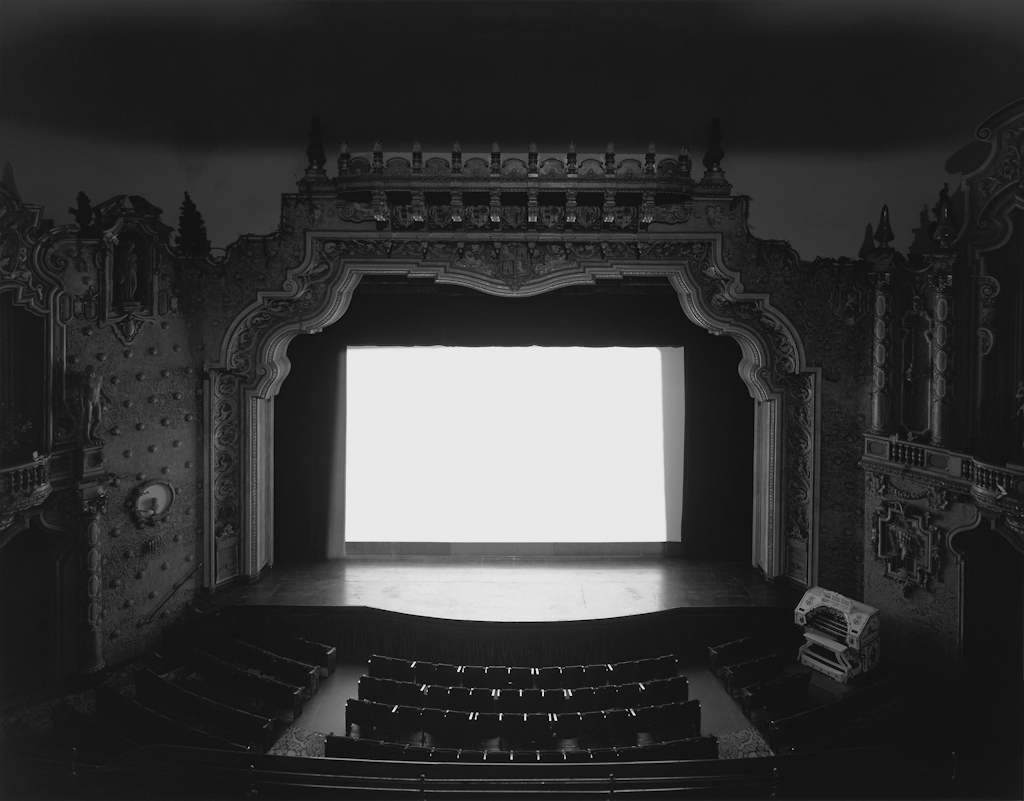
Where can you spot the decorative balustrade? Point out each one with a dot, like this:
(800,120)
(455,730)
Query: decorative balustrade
(532,191)
(956,472)
(23,486)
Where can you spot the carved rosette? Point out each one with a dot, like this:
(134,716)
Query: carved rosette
(881,355)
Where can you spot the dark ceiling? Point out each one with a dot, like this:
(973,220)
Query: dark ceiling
(796,76)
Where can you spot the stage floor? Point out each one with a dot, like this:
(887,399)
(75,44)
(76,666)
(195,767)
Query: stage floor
(513,589)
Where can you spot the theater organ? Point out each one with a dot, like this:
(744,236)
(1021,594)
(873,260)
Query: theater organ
(840,634)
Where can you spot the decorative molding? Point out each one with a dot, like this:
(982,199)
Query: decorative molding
(907,544)
(317,292)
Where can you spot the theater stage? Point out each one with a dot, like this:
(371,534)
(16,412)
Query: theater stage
(502,611)
(512,589)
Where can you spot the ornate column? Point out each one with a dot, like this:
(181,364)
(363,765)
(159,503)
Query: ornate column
(881,354)
(93,505)
(882,269)
(942,414)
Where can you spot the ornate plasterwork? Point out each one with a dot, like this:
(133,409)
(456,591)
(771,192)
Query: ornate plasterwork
(252,361)
(907,545)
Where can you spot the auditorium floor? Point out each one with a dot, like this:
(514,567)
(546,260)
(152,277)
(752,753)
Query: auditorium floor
(528,589)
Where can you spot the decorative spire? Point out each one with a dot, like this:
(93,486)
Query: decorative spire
(456,157)
(531,157)
(315,151)
(883,233)
(714,154)
(192,239)
(570,160)
(649,160)
(378,157)
(417,157)
(495,158)
(866,246)
(609,159)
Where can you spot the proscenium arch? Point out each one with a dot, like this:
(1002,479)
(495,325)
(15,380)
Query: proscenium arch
(252,363)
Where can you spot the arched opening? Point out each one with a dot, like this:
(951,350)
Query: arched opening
(253,362)
(719,422)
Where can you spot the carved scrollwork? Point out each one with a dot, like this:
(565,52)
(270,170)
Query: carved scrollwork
(672,214)
(1009,170)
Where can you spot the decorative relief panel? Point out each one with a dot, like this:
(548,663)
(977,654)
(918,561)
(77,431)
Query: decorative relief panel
(909,548)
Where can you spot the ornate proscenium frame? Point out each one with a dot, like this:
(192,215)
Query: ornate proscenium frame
(510,255)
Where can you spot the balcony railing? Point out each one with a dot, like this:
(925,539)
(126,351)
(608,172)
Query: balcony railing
(958,472)
(23,486)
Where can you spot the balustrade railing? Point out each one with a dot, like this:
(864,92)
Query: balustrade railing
(959,472)
(24,486)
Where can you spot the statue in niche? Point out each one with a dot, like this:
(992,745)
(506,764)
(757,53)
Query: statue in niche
(92,398)
(128,274)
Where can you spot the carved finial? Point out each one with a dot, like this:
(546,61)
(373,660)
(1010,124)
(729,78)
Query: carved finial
(531,158)
(609,159)
(946,228)
(883,234)
(456,147)
(649,160)
(456,157)
(344,159)
(714,154)
(495,147)
(417,157)
(87,218)
(417,147)
(378,157)
(572,148)
(495,158)
(315,151)
(570,160)
(533,147)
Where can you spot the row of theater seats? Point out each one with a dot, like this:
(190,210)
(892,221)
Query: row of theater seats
(690,748)
(569,677)
(229,699)
(511,731)
(482,699)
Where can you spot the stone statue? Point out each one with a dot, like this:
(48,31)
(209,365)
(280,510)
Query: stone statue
(128,272)
(93,398)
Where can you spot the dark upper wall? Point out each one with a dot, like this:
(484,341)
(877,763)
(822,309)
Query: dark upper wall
(829,109)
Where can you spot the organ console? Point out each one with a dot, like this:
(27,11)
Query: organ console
(840,634)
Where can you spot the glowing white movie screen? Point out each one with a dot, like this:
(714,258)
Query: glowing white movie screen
(529,444)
